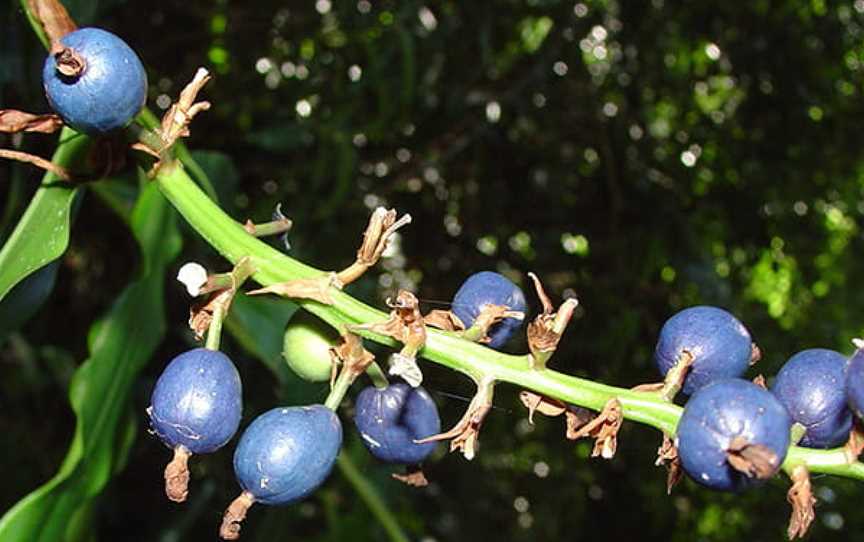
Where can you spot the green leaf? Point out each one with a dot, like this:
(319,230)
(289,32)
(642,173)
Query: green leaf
(258,324)
(120,345)
(42,234)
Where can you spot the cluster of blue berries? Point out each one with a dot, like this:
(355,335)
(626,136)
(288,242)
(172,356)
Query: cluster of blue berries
(287,452)
(734,433)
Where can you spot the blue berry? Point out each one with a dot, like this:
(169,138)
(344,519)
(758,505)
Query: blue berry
(197,402)
(489,288)
(811,385)
(287,452)
(722,416)
(719,343)
(855,383)
(391,419)
(96,83)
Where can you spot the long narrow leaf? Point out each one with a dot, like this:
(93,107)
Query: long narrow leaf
(42,234)
(120,345)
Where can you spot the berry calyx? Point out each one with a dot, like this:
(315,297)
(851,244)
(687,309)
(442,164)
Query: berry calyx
(732,434)
(391,419)
(94,81)
(195,409)
(811,385)
(713,341)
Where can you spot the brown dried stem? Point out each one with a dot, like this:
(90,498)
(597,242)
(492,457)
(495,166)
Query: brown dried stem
(177,475)
(37,161)
(800,496)
(234,516)
(13,121)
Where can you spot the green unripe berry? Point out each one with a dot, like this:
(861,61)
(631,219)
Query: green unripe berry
(306,347)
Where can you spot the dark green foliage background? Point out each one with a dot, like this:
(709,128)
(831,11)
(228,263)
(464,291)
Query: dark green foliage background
(645,155)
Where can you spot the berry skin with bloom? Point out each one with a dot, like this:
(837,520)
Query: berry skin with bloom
(489,288)
(855,383)
(391,419)
(95,82)
(720,345)
(811,385)
(287,452)
(731,417)
(197,402)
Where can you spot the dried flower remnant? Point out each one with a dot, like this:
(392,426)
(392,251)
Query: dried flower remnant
(667,454)
(464,436)
(545,331)
(800,496)
(604,429)
(382,225)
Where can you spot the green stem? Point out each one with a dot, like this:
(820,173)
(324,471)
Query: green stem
(476,361)
(214,332)
(377,375)
(339,389)
(371,497)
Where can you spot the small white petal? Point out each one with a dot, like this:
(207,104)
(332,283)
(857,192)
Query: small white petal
(193,276)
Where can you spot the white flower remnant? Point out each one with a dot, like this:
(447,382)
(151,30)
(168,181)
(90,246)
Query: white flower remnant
(193,276)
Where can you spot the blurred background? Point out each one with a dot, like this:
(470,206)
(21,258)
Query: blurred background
(644,156)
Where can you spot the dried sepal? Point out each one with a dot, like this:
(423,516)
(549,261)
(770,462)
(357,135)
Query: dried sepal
(234,516)
(316,289)
(800,496)
(414,477)
(576,418)
(759,380)
(755,354)
(667,455)
(466,433)
(405,323)
(177,475)
(382,225)
(175,122)
(752,460)
(604,429)
(545,331)
(445,320)
(59,171)
(489,316)
(201,313)
(13,121)
(351,354)
(855,445)
(544,405)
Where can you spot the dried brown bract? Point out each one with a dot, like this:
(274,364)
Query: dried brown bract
(800,496)
(604,429)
